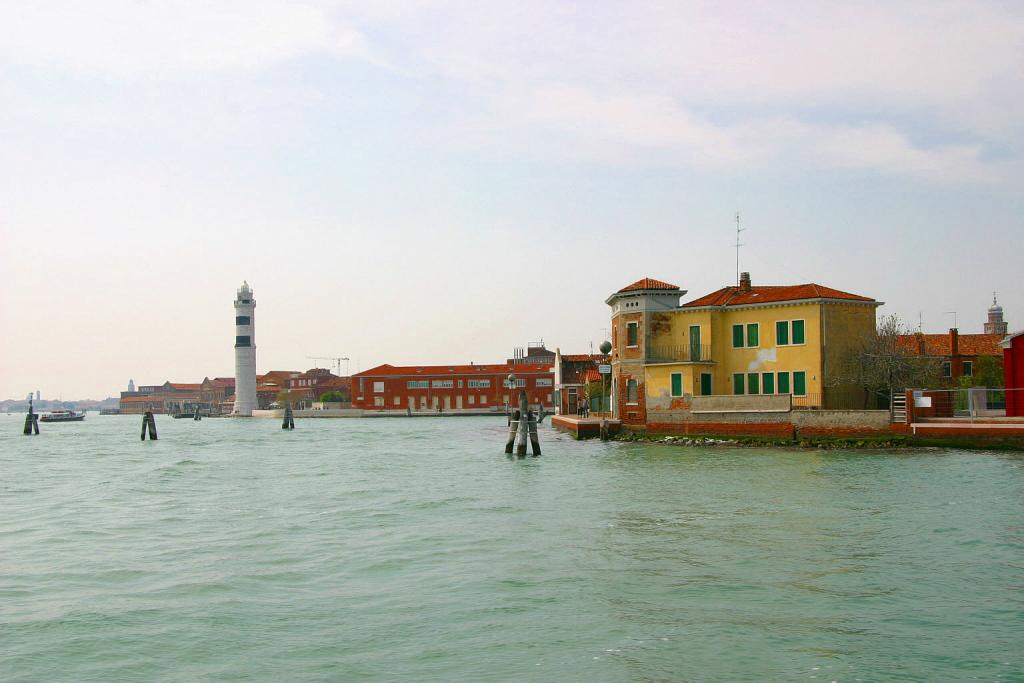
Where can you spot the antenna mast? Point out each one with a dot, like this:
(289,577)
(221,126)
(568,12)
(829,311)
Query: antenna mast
(738,245)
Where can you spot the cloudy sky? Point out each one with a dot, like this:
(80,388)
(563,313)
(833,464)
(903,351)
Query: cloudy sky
(438,182)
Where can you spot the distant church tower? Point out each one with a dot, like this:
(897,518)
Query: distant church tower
(995,324)
(131,386)
(245,352)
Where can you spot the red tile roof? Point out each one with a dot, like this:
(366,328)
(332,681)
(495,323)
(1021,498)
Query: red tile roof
(429,370)
(734,296)
(940,344)
(648,283)
(148,398)
(179,386)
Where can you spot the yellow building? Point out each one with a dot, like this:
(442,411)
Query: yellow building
(739,340)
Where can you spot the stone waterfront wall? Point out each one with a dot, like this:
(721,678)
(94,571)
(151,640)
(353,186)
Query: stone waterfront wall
(841,422)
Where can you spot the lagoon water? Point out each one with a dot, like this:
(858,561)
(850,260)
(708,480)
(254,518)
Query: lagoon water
(414,550)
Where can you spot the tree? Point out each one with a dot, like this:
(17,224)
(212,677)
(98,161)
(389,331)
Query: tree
(988,372)
(879,364)
(287,397)
(333,397)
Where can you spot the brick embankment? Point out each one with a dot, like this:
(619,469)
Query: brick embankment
(584,427)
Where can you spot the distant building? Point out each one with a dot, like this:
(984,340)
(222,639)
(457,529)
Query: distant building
(995,324)
(534,353)
(307,387)
(958,353)
(451,388)
(38,395)
(572,374)
(131,386)
(269,385)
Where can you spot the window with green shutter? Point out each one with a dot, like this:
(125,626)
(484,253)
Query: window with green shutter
(737,336)
(781,332)
(783,382)
(798,331)
(705,384)
(799,383)
(768,383)
(737,384)
(753,383)
(677,384)
(752,334)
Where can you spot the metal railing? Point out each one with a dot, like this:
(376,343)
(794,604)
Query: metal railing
(967,403)
(678,353)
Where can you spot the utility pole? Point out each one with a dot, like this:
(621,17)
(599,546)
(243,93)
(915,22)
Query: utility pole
(738,245)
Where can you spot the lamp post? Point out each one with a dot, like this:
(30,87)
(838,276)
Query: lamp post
(605,348)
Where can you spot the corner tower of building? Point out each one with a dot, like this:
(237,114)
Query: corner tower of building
(245,352)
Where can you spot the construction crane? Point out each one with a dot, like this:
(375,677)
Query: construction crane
(337,363)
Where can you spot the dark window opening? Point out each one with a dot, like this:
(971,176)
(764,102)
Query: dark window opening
(243,340)
(243,320)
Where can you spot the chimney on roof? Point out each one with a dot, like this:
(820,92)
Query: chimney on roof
(954,342)
(744,282)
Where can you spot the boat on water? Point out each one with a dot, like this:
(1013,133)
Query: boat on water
(63,416)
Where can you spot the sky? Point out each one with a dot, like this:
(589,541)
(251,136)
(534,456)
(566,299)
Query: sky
(439,182)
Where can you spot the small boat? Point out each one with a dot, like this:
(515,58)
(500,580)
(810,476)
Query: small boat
(63,416)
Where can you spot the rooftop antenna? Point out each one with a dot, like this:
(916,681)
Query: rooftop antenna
(738,245)
(953,313)
(920,321)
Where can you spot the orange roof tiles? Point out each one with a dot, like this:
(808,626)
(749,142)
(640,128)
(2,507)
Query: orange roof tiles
(734,296)
(940,344)
(180,386)
(648,283)
(581,357)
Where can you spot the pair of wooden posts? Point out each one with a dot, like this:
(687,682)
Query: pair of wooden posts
(289,419)
(31,422)
(522,424)
(149,425)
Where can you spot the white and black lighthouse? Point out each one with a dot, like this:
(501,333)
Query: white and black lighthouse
(245,352)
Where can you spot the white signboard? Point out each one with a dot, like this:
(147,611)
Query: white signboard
(604,369)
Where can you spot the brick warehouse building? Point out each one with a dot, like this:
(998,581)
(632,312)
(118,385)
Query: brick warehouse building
(450,388)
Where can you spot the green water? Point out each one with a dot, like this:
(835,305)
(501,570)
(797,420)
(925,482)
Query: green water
(414,550)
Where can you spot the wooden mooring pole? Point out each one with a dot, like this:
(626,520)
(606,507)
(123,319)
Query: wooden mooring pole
(522,425)
(149,425)
(31,421)
(289,419)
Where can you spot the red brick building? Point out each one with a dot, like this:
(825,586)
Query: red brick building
(957,352)
(451,388)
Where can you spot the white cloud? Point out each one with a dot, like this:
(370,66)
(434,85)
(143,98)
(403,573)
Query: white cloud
(122,38)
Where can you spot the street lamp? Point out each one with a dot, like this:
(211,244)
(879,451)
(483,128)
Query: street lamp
(605,348)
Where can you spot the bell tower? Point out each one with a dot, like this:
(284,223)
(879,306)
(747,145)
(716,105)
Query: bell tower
(995,324)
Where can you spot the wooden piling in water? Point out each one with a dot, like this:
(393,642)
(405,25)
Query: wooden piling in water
(522,433)
(31,422)
(149,425)
(513,427)
(289,419)
(534,439)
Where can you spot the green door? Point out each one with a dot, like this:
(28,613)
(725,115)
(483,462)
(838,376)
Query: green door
(677,384)
(694,342)
(705,384)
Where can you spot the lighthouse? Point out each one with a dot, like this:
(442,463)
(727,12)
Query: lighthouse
(245,352)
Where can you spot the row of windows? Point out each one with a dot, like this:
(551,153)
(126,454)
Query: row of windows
(677,384)
(947,368)
(787,333)
(471,400)
(450,384)
(770,383)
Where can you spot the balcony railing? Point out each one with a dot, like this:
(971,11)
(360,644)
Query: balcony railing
(678,353)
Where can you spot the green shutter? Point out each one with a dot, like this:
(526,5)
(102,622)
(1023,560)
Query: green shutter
(752,334)
(752,383)
(705,384)
(782,332)
(737,384)
(799,383)
(677,384)
(737,336)
(783,382)
(768,382)
(798,331)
